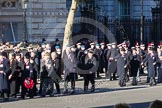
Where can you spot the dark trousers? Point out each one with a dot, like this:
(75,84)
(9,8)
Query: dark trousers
(5,94)
(13,88)
(89,78)
(47,87)
(18,84)
(111,74)
(141,69)
(72,78)
(24,91)
(57,86)
(122,79)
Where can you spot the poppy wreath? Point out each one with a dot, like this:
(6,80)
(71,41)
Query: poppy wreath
(28,83)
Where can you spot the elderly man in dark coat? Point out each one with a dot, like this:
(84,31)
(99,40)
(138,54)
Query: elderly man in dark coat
(151,59)
(134,64)
(57,70)
(112,68)
(91,65)
(70,67)
(122,64)
(4,71)
(47,70)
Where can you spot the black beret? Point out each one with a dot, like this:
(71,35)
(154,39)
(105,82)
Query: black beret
(27,55)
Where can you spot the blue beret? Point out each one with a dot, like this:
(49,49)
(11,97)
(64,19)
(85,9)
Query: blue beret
(82,46)
(57,47)
(97,45)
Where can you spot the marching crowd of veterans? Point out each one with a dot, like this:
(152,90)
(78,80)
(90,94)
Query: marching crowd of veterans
(23,64)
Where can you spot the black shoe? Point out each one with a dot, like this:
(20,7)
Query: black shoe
(31,97)
(114,78)
(151,84)
(122,85)
(92,90)
(58,93)
(51,95)
(85,91)
(72,92)
(134,84)
(155,83)
(13,96)
(5,99)
(22,97)
(43,95)
(65,91)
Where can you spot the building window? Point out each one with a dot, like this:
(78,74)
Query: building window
(8,4)
(124,9)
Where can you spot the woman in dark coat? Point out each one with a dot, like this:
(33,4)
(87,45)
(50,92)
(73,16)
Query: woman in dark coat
(13,74)
(33,74)
(4,71)
(122,64)
(151,59)
(134,64)
(29,72)
(19,71)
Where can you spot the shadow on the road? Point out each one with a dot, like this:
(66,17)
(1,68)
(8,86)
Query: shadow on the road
(80,91)
(133,105)
(10,100)
(100,90)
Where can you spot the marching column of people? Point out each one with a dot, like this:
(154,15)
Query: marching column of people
(24,66)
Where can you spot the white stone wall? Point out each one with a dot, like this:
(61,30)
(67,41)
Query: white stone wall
(46,19)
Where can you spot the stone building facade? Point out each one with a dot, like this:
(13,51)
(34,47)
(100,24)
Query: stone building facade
(44,19)
(47,19)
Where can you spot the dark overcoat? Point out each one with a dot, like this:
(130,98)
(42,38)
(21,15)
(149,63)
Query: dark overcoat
(121,63)
(134,64)
(150,64)
(4,83)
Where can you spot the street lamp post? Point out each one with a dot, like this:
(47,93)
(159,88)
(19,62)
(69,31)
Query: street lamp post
(24,7)
(142,19)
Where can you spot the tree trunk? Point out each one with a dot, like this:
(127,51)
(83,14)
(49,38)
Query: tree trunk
(69,25)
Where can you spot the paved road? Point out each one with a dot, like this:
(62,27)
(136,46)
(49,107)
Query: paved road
(106,95)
